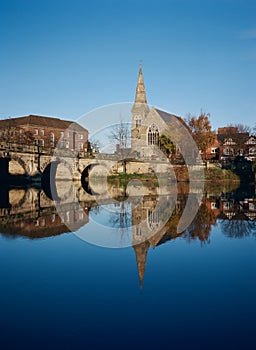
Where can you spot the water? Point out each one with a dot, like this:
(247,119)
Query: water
(192,290)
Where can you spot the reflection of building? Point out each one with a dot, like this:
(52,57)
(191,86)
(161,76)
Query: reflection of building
(154,221)
(44,132)
(27,213)
(151,226)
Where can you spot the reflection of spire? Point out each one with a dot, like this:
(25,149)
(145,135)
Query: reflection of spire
(141,251)
(140,90)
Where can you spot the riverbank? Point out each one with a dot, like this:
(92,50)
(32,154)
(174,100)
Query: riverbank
(181,175)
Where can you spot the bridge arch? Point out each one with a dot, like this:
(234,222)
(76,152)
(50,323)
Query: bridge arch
(85,178)
(48,180)
(45,164)
(21,162)
(49,177)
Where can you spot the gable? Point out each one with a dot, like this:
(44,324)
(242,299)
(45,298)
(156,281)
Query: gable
(251,141)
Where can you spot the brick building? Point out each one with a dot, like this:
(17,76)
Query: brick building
(230,143)
(44,132)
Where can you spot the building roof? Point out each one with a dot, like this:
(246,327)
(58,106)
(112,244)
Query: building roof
(228,130)
(170,118)
(237,138)
(42,121)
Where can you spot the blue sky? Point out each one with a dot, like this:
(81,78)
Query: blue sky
(65,58)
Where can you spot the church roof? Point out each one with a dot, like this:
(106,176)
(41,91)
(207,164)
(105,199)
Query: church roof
(171,118)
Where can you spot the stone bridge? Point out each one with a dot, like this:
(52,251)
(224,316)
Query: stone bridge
(60,164)
(37,162)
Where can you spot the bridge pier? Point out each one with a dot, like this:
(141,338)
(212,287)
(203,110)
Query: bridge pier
(4,167)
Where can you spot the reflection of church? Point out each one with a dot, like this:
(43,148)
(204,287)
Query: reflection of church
(154,221)
(149,124)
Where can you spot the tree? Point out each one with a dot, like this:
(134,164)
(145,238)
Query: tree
(94,146)
(121,134)
(202,131)
(242,127)
(166,145)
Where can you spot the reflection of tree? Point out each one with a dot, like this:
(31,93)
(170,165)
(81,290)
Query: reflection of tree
(201,226)
(238,228)
(121,219)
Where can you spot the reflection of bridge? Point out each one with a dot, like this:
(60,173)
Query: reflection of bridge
(154,218)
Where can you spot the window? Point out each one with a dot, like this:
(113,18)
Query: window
(67,134)
(214,150)
(41,142)
(213,205)
(35,131)
(52,137)
(251,206)
(228,151)
(153,135)
(61,144)
(80,146)
(252,151)
(21,131)
(138,232)
(35,141)
(81,137)
(227,205)
(153,219)
(41,132)
(61,134)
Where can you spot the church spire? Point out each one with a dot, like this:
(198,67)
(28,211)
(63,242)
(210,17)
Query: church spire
(140,96)
(141,251)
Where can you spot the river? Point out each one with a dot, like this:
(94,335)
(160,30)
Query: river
(116,272)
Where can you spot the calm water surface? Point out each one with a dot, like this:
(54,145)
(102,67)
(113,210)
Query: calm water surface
(193,290)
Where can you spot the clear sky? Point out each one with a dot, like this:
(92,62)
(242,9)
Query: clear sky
(64,58)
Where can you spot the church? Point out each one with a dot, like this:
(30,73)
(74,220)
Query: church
(148,124)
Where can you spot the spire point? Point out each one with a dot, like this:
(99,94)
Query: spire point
(140,96)
(141,251)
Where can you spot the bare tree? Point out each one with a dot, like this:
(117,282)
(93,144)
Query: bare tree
(121,134)
(242,127)
(238,228)
(94,145)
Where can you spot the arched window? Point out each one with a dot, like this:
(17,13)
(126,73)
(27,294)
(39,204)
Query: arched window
(153,135)
(153,219)
(137,121)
